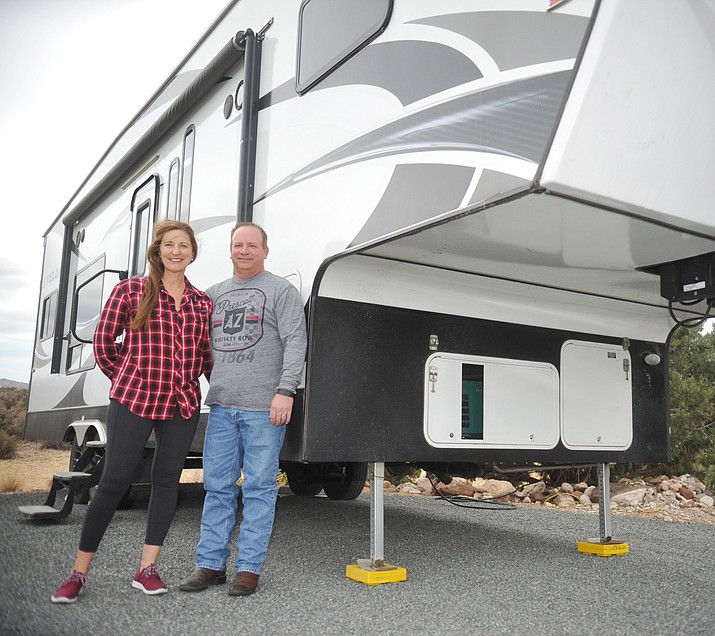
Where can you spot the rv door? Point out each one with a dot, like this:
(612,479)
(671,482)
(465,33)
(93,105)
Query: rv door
(143,210)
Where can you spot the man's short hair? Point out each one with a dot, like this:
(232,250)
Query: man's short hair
(254,225)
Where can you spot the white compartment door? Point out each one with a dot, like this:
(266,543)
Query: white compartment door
(596,401)
(481,402)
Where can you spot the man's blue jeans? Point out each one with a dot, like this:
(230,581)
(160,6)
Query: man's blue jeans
(237,439)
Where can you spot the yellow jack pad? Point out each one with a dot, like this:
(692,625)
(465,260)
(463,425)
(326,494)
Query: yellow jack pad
(375,577)
(612,548)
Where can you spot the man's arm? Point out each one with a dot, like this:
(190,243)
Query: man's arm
(290,316)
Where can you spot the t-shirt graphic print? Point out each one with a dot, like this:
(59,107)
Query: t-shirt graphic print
(238,319)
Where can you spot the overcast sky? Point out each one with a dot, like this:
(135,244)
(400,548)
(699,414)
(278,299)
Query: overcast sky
(73,73)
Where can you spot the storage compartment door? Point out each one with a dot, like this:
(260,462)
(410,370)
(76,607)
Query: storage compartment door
(480,402)
(596,402)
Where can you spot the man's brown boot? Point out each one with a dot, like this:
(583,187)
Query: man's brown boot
(244,584)
(201,578)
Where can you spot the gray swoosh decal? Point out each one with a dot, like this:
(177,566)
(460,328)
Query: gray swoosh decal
(514,119)
(517,38)
(75,396)
(416,192)
(410,70)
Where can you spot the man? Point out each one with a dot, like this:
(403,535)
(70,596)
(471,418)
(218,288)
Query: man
(258,345)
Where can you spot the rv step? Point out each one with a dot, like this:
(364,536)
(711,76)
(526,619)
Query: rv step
(74,482)
(42,512)
(67,476)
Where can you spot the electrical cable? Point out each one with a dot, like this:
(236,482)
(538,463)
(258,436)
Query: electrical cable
(475,503)
(687,323)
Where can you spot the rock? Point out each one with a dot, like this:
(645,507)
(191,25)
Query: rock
(693,483)
(707,500)
(563,501)
(530,489)
(425,485)
(408,488)
(498,488)
(686,493)
(459,486)
(582,486)
(631,498)
(589,492)
(664,485)
(566,487)
(584,500)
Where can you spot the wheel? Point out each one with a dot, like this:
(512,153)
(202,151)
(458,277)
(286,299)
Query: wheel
(78,449)
(83,496)
(303,481)
(346,481)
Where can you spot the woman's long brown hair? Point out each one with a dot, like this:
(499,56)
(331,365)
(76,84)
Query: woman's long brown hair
(152,283)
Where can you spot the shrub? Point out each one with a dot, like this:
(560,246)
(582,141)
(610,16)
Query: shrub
(8,445)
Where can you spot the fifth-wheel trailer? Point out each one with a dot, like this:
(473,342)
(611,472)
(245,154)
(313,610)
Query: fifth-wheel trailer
(494,210)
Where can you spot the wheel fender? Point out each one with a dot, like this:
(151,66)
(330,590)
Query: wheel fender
(78,430)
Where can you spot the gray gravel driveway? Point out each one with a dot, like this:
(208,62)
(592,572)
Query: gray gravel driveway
(469,571)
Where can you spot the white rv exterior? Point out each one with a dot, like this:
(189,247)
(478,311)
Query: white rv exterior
(484,205)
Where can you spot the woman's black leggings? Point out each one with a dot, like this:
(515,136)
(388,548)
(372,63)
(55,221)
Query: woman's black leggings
(127,435)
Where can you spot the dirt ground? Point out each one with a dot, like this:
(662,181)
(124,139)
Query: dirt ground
(32,469)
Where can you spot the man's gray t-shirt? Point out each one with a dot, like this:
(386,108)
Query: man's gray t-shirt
(258,341)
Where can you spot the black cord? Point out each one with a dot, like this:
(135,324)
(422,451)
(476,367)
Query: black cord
(687,323)
(475,503)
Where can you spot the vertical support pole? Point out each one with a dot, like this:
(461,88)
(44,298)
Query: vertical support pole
(374,570)
(377,515)
(605,545)
(604,498)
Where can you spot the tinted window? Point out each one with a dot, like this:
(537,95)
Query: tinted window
(187,174)
(173,190)
(86,314)
(49,310)
(143,207)
(331,31)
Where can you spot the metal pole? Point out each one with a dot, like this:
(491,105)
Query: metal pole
(604,498)
(377,515)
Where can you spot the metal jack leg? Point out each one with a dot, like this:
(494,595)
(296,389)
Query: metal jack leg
(605,545)
(374,570)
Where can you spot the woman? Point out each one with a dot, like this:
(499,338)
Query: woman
(155,386)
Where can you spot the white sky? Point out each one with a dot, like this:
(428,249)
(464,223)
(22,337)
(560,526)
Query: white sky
(73,73)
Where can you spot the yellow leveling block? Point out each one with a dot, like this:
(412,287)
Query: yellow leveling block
(611,548)
(387,574)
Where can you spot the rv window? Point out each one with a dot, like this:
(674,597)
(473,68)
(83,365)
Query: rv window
(332,31)
(173,190)
(49,311)
(187,174)
(144,209)
(87,310)
(142,227)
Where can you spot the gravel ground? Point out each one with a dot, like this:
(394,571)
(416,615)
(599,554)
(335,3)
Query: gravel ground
(476,571)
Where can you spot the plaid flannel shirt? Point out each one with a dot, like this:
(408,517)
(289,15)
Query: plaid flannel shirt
(155,370)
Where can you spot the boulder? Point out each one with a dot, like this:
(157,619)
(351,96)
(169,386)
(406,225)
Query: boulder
(530,489)
(631,498)
(408,488)
(458,486)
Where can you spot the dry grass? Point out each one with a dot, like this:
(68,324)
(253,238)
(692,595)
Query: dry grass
(10,483)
